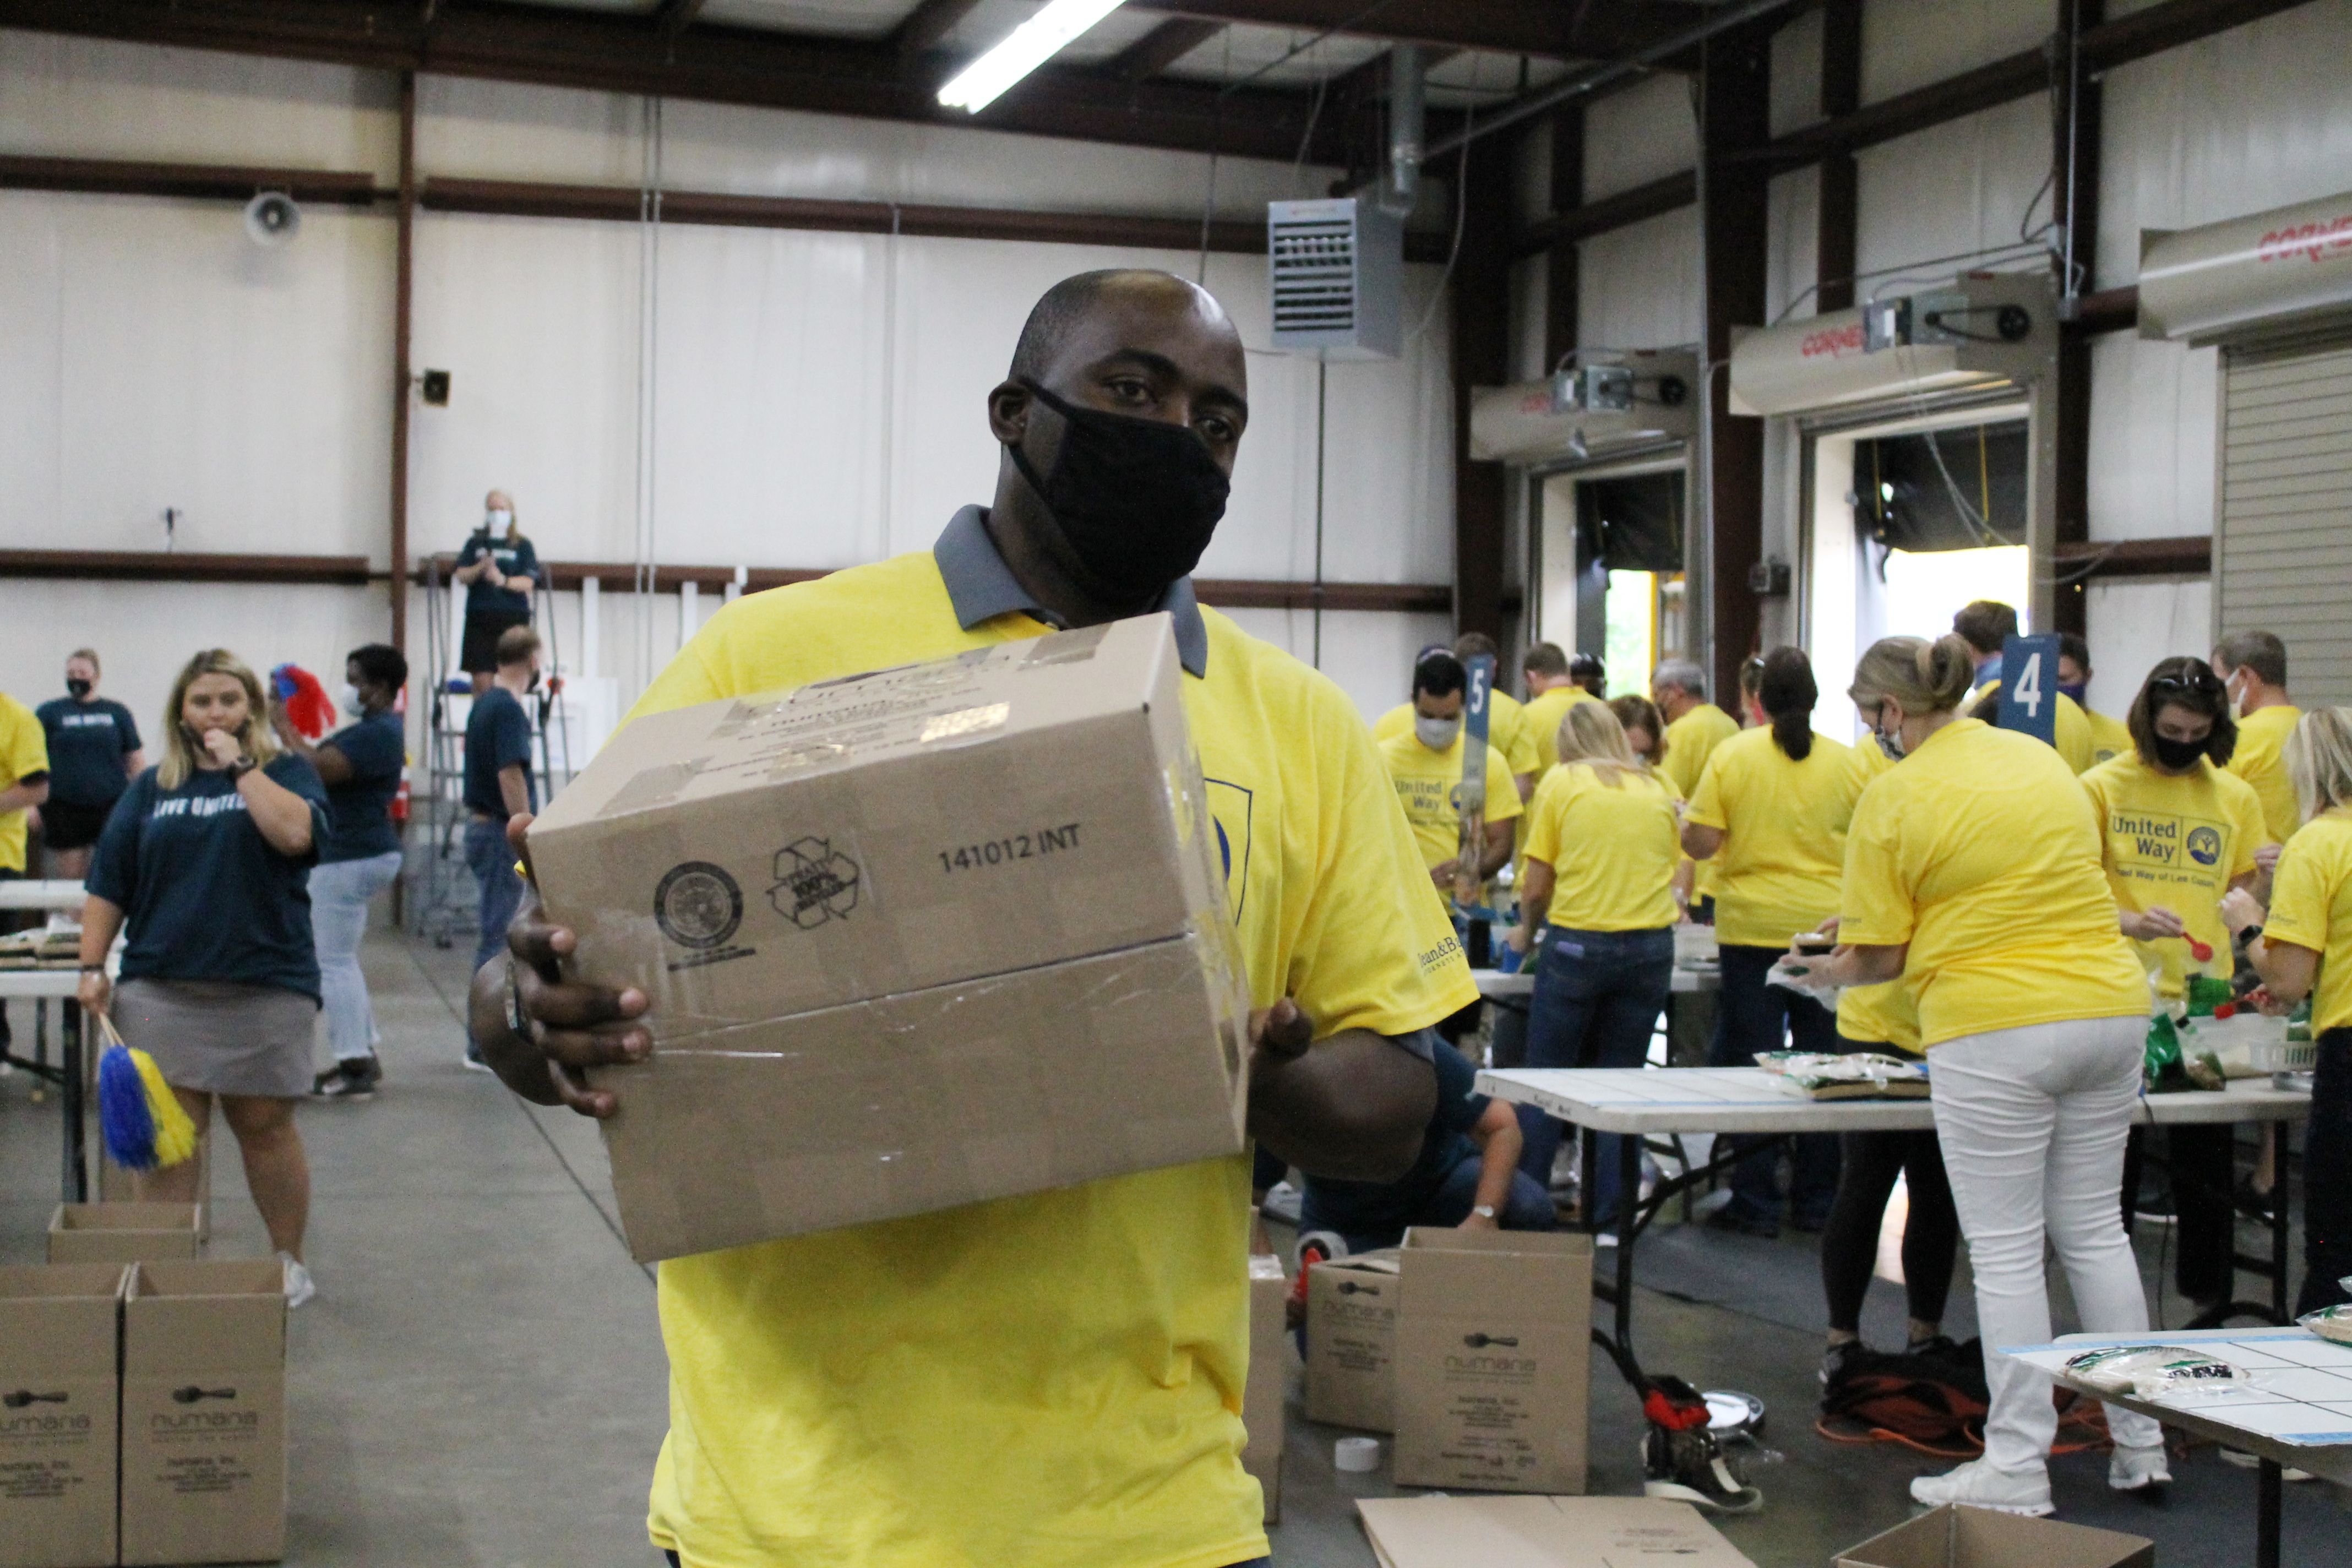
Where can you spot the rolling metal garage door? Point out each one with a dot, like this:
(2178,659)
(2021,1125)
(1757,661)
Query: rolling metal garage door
(2282,549)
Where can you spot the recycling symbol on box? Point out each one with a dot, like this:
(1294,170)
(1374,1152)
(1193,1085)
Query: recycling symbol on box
(814,883)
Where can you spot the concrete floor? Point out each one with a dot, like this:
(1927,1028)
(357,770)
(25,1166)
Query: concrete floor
(481,1380)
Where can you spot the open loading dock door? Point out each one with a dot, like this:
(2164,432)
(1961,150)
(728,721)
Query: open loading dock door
(1925,431)
(2274,290)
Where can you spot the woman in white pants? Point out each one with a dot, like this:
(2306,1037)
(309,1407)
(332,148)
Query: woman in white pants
(1972,872)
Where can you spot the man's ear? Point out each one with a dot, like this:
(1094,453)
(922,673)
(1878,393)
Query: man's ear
(1008,412)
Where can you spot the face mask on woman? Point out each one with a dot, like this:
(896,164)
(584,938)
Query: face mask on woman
(349,696)
(1892,745)
(77,687)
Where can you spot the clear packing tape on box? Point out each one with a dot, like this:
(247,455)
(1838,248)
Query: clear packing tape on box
(912,938)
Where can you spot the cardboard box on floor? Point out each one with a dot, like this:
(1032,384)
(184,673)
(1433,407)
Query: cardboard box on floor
(204,1412)
(58,1388)
(1951,1537)
(117,1185)
(1543,1532)
(1352,1308)
(122,1232)
(913,938)
(1493,1359)
(1265,1394)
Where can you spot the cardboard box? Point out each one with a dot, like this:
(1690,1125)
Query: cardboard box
(1543,1532)
(914,939)
(1266,1393)
(123,1233)
(204,1412)
(1950,1537)
(60,1328)
(1351,1312)
(1494,1348)
(117,1185)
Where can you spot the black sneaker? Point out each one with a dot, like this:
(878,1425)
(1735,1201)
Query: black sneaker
(1739,1222)
(1834,1359)
(350,1080)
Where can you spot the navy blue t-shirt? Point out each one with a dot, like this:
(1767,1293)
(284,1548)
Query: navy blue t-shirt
(516,560)
(359,814)
(206,897)
(1358,1206)
(88,741)
(498,735)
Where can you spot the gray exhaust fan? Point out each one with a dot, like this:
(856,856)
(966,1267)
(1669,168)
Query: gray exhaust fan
(1337,269)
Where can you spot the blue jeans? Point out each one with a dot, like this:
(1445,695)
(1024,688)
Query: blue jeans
(1528,1206)
(339,892)
(1752,1017)
(491,859)
(1597,1001)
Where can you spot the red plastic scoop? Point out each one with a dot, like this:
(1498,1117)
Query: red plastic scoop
(2202,952)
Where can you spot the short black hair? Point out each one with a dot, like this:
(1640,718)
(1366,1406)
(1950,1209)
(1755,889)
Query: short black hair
(1440,675)
(381,663)
(2077,649)
(2191,684)
(1986,624)
(1586,670)
(1060,308)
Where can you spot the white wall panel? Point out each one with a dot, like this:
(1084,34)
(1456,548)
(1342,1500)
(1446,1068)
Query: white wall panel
(1959,187)
(1643,133)
(2253,118)
(1638,287)
(1797,74)
(1369,653)
(155,357)
(1907,44)
(2134,624)
(86,97)
(1792,238)
(2152,431)
(503,130)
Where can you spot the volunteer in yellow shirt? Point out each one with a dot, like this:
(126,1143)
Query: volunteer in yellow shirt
(1972,871)
(1600,866)
(2253,663)
(1053,1380)
(2178,833)
(2303,947)
(1507,724)
(1694,727)
(1425,765)
(1769,817)
(24,779)
(1551,692)
(2110,737)
(1986,624)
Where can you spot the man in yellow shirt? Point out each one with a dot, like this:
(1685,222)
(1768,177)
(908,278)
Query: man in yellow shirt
(23,785)
(2110,738)
(1694,727)
(2253,665)
(1425,764)
(1551,692)
(1506,727)
(1986,624)
(1053,1380)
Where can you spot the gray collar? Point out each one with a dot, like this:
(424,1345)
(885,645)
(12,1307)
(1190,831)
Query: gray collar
(981,587)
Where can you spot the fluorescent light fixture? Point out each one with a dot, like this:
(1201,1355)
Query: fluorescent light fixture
(1026,47)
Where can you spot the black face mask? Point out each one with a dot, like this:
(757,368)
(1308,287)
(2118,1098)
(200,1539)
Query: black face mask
(2177,756)
(1136,500)
(77,688)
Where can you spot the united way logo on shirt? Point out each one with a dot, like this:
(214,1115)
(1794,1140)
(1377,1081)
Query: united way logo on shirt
(2204,845)
(1232,808)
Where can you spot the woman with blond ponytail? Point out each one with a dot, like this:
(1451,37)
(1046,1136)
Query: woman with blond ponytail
(1973,873)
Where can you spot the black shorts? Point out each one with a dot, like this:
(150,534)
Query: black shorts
(65,825)
(479,654)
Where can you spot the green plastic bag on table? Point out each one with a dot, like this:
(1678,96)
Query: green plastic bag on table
(2162,1068)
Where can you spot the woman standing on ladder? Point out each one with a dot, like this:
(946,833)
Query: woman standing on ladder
(500,569)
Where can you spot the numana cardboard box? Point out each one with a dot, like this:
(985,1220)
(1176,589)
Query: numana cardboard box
(1493,1357)
(204,1412)
(913,938)
(1351,1312)
(122,1232)
(1269,1379)
(1950,1537)
(58,1396)
(1442,1531)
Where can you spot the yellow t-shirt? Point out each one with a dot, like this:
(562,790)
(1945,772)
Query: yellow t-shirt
(1784,826)
(1613,848)
(2260,761)
(2071,729)
(1691,740)
(1875,1014)
(1979,852)
(24,749)
(1429,787)
(1543,713)
(2310,905)
(1506,731)
(1053,1379)
(2110,738)
(2178,842)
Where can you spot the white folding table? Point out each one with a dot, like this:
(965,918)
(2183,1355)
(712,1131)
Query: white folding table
(39,986)
(1641,1103)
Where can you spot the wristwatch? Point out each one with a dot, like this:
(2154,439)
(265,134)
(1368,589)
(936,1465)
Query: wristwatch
(242,766)
(1484,1211)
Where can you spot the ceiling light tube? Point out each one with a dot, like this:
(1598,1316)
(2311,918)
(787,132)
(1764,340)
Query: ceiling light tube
(1026,47)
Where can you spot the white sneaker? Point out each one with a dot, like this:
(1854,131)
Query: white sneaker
(2130,1469)
(1979,1485)
(299,1286)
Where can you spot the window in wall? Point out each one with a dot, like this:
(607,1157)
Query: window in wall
(1940,520)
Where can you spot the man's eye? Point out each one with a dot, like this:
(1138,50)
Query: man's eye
(1217,430)
(1131,390)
